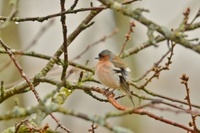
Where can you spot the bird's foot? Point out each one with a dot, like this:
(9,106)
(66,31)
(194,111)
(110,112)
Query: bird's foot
(107,92)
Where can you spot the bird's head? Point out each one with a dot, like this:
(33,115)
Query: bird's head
(105,55)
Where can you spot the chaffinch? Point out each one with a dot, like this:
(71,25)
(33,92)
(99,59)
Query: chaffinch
(113,72)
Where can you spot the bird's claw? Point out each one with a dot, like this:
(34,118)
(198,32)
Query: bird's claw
(108,93)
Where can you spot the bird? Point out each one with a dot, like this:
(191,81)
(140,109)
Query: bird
(113,72)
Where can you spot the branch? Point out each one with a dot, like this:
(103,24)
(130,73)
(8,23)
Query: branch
(43,18)
(184,81)
(28,81)
(65,47)
(136,14)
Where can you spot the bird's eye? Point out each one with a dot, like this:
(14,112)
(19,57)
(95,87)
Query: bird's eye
(101,56)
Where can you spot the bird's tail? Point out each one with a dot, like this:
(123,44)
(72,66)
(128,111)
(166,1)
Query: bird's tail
(125,88)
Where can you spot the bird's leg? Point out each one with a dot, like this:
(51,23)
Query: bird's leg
(107,89)
(107,92)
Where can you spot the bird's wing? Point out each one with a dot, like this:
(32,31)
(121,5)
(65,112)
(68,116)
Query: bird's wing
(123,76)
(122,66)
(119,63)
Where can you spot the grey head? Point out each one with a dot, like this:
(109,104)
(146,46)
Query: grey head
(106,53)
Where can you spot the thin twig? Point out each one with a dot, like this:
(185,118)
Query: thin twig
(93,127)
(11,15)
(95,43)
(125,2)
(74,4)
(46,57)
(64,31)
(29,82)
(184,80)
(128,37)
(33,42)
(43,18)
(156,68)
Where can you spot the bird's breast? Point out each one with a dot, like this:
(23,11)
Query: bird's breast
(104,72)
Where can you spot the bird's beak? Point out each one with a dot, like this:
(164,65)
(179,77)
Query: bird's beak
(97,58)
